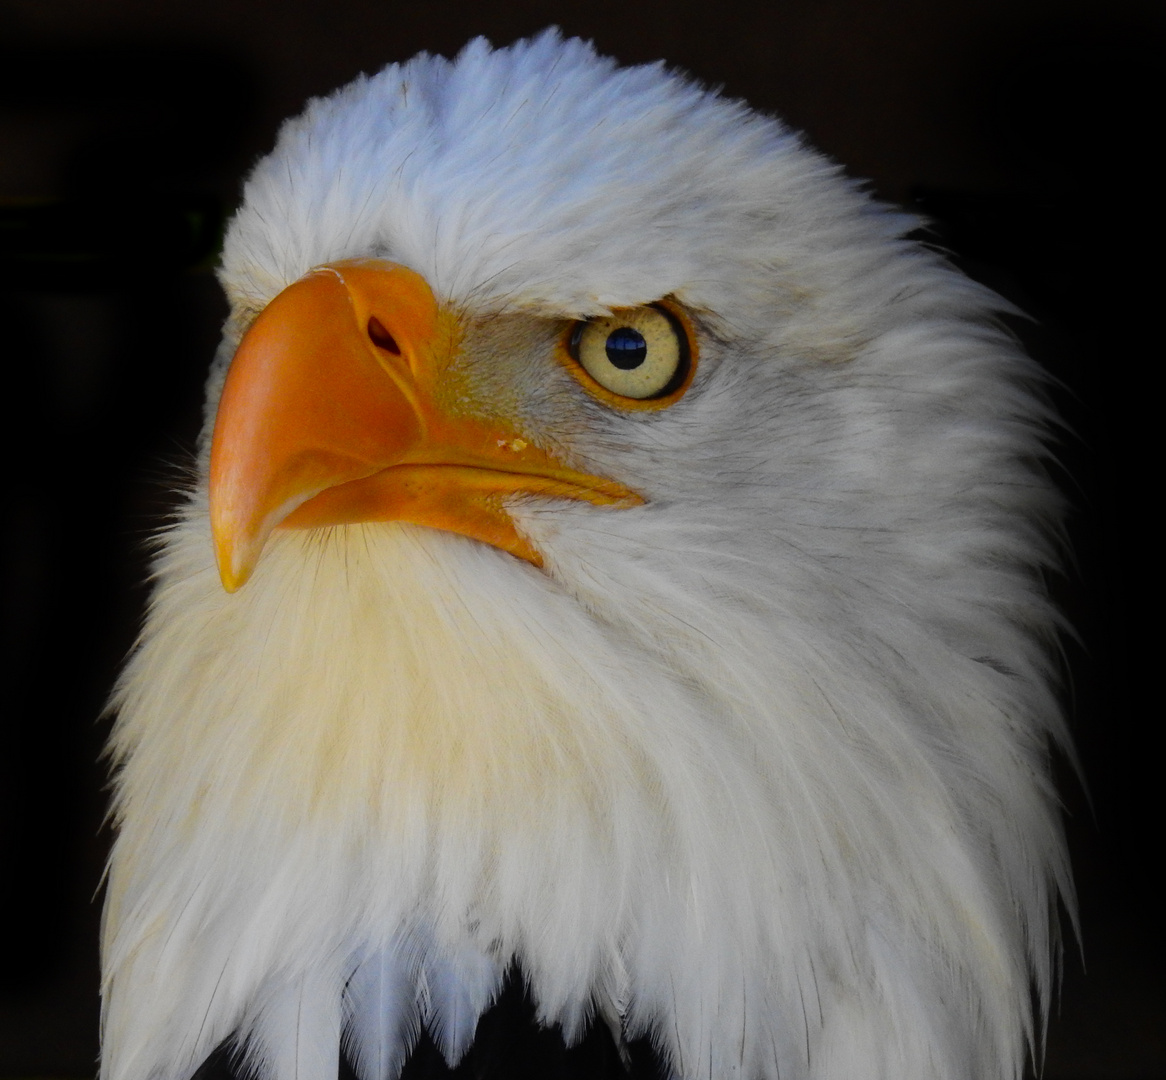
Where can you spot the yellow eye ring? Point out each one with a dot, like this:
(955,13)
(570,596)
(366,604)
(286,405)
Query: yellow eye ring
(639,358)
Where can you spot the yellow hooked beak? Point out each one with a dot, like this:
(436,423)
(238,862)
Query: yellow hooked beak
(333,413)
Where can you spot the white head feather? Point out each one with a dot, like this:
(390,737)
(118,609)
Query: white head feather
(759,767)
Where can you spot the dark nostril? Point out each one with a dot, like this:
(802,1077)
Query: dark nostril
(381,338)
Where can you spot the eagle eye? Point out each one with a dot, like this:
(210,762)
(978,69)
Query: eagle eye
(637,355)
(626,348)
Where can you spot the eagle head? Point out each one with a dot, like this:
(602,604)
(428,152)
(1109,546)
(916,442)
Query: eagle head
(616,551)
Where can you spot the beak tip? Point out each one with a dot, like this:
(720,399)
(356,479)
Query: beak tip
(230,584)
(232,579)
(235,564)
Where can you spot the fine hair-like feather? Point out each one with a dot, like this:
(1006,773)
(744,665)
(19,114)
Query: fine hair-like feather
(759,768)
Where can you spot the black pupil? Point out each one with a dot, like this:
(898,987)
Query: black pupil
(626,348)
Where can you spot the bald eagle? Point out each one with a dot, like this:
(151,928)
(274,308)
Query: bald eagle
(616,550)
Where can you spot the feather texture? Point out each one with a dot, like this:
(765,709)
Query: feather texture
(759,767)
(383,1012)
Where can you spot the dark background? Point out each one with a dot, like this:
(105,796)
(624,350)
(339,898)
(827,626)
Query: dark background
(1024,130)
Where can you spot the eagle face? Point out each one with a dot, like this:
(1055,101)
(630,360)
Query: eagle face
(617,551)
